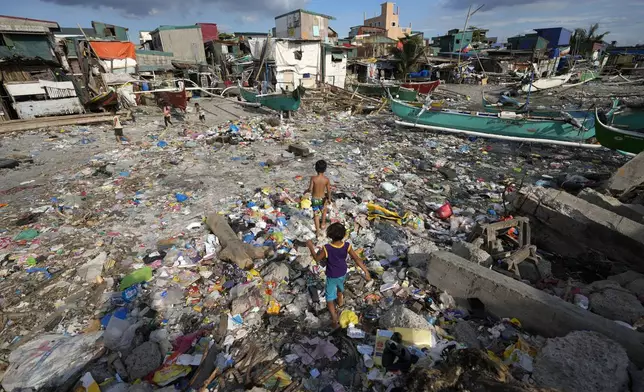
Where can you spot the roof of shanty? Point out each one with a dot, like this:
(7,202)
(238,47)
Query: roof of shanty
(305,12)
(166,27)
(89,31)
(51,23)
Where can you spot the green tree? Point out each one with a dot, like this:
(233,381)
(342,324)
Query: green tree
(582,40)
(476,33)
(413,49)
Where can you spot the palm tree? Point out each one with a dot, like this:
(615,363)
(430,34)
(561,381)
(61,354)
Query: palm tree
(413,48)
(582,40)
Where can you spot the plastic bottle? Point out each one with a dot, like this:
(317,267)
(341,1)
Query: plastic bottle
(130,293)
(138,276)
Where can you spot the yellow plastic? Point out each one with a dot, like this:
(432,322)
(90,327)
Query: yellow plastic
(348,317)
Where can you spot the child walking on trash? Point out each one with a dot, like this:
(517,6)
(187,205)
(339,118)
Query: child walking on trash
(320,190)
(336,253)
(118,131)
(200,112)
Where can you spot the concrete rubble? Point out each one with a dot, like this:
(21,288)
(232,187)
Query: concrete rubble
(187,258)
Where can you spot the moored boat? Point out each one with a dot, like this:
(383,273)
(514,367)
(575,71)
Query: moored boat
(423,87)
(546,83)
(289,101)
(624,131)
(380,90)
(509,125)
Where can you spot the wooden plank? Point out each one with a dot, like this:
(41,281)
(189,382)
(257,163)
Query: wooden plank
(44,122)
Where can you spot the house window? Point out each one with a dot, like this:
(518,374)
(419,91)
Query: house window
(393,24)
(458,41)
(2,43)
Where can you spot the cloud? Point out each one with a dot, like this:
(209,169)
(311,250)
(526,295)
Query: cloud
(489,4)
(142,8)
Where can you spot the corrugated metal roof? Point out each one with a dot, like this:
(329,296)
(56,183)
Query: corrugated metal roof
(306,12)
(162,28)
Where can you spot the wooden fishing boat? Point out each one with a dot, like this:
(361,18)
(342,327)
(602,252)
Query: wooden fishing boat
(505,124)
(375,90)
(623,132)
(407,94)
(546,83)
(289,101)
(423,87)
(380,90)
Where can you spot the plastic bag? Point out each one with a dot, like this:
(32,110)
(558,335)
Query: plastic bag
(348,317)
(50,361)
(383,249)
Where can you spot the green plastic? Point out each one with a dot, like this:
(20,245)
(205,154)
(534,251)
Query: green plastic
(139,276)
(27,235)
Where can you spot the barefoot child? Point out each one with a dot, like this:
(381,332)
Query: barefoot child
(336,253)
(166,115)
(320,189)
(200,112)
(118,130)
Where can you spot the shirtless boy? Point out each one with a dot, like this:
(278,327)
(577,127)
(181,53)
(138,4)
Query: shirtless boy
(320,189)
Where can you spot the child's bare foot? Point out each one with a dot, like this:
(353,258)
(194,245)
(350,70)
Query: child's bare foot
(335,324)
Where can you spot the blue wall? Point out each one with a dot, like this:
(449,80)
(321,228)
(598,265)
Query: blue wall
(556,36)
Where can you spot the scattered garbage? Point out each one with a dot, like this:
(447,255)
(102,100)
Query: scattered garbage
(198,278)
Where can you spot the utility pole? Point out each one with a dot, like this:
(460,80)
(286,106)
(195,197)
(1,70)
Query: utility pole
(467,20)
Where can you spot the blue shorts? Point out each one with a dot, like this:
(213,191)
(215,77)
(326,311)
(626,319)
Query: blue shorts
(317,205)
(333,285)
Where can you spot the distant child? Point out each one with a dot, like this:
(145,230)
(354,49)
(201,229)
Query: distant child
(166,115)
(118,131)
(320,189)
(201,112)
(336,253)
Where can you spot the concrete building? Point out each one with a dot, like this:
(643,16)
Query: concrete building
(303,24)
(388,20)
(184,42)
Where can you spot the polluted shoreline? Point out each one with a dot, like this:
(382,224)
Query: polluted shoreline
(177,261)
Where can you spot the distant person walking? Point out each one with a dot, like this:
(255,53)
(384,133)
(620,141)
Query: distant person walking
(166,116)
(201,112)
(118,131)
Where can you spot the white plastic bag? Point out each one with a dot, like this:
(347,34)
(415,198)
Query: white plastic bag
(50,361)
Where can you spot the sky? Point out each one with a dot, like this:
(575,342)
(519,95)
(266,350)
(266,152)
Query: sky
(504,18)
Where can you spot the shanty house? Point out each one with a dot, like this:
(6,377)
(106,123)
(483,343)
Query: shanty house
(556,36)
(303,25)
(454,41)
(294,63)
(31,82)
(184,42)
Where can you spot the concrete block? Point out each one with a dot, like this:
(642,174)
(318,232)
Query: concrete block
(610,203)
(299,150)
(570,226)
(627,177)
(538,311)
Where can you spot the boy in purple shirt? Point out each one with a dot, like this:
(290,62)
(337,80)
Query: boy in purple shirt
(336,253)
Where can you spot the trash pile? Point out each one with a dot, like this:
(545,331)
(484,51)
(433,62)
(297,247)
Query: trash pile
(180,267)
